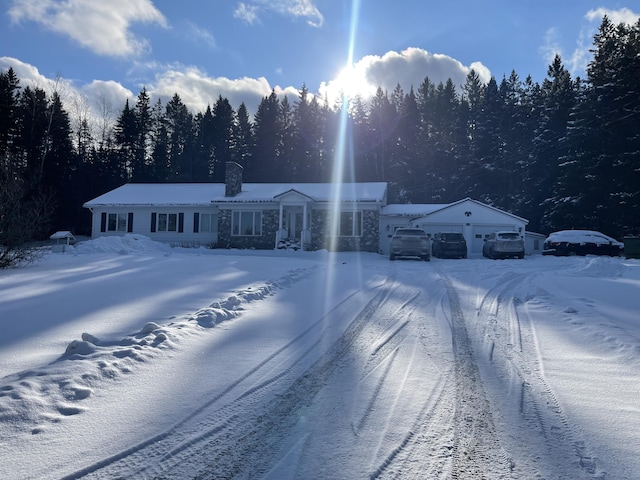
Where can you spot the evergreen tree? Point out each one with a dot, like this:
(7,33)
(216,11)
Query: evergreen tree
(383,121)
(243,143)
(141,162)
(33,111)
(601,171)
(268,131)
(180,133)
(126,137)
(223,136)
(557,99)
(159,144)
(203,150)
(9,117)
(408,149)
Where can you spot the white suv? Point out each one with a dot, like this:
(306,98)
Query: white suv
(410,242)
(503,245)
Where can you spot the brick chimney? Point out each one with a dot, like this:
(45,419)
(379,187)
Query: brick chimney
(232,179)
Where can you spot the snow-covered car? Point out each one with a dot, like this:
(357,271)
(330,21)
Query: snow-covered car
(410,242)
(449,245)
(503,245)
(581,242)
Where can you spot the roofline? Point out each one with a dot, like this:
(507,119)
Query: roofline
(526,222)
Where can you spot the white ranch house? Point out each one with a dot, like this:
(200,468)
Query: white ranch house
(345,217)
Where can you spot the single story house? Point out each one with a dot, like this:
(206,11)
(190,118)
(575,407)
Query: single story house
(345,217)
(474,219)
(249,215)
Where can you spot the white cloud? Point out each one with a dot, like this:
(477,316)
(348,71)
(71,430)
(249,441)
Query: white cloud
(197,90)
(581,56)
(624,15)
(199,35)
(249,11)
(110,91)
(550,46)
(407,68)
(96,96)
(101,26)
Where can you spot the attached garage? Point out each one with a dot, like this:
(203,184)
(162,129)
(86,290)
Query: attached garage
(475,220)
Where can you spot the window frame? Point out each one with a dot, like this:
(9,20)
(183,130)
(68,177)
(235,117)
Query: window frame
(210,217)
(116,222)
(167,222)
(243,221)
(351,227)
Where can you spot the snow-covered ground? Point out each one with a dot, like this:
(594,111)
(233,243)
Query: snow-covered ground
(124,358)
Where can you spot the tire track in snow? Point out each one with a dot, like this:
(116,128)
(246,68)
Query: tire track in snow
(540,416)
(135,459)
(477,452)
(252,452)
(418,443)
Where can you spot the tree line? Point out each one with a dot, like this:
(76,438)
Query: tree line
(564,153)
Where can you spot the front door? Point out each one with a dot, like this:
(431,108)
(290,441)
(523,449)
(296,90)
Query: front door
(292,223)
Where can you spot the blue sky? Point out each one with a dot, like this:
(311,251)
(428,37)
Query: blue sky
(103,52)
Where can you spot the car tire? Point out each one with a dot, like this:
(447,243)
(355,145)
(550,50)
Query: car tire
(392,256)
(427,258)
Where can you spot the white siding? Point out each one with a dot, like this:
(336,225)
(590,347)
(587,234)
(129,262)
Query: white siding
(142,224)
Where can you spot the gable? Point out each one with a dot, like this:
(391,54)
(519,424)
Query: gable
(469,210)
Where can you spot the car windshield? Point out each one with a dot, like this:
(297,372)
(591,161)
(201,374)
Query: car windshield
(509,236)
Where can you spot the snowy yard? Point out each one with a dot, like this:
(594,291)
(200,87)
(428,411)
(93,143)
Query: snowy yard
(125,358)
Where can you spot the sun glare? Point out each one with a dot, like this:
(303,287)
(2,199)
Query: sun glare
(351,82)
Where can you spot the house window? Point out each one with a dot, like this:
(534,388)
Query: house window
(167,222)
(207,222)
(117,222)
(246,223)
(350,224)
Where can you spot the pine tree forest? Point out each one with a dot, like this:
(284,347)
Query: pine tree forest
(563,154)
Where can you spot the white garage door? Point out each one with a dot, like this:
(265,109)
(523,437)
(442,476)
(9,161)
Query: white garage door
(434,228)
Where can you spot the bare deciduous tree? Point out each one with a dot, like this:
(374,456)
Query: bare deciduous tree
(25,215)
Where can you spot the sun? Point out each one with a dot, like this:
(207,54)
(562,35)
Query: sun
(351,82)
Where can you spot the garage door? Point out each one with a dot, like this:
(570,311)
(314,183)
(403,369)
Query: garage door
(433,228)
(480,232)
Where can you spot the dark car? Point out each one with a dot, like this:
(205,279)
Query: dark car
(581,242)
(410,242)
(449,245)
(503,244)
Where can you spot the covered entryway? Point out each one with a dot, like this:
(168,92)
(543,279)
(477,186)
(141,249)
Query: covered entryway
(294,220)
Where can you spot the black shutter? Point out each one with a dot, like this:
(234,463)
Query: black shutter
(196,222)
(130,222)
(180,222)
(103,222)
(153,222)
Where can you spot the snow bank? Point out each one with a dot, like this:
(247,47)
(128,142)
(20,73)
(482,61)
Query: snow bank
(123,245)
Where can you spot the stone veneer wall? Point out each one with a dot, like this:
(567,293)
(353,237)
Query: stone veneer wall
(266,241)
(320,238)
(368,242)
(232,179)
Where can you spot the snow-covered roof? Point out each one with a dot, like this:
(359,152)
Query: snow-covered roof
(200,194)
(62,234)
